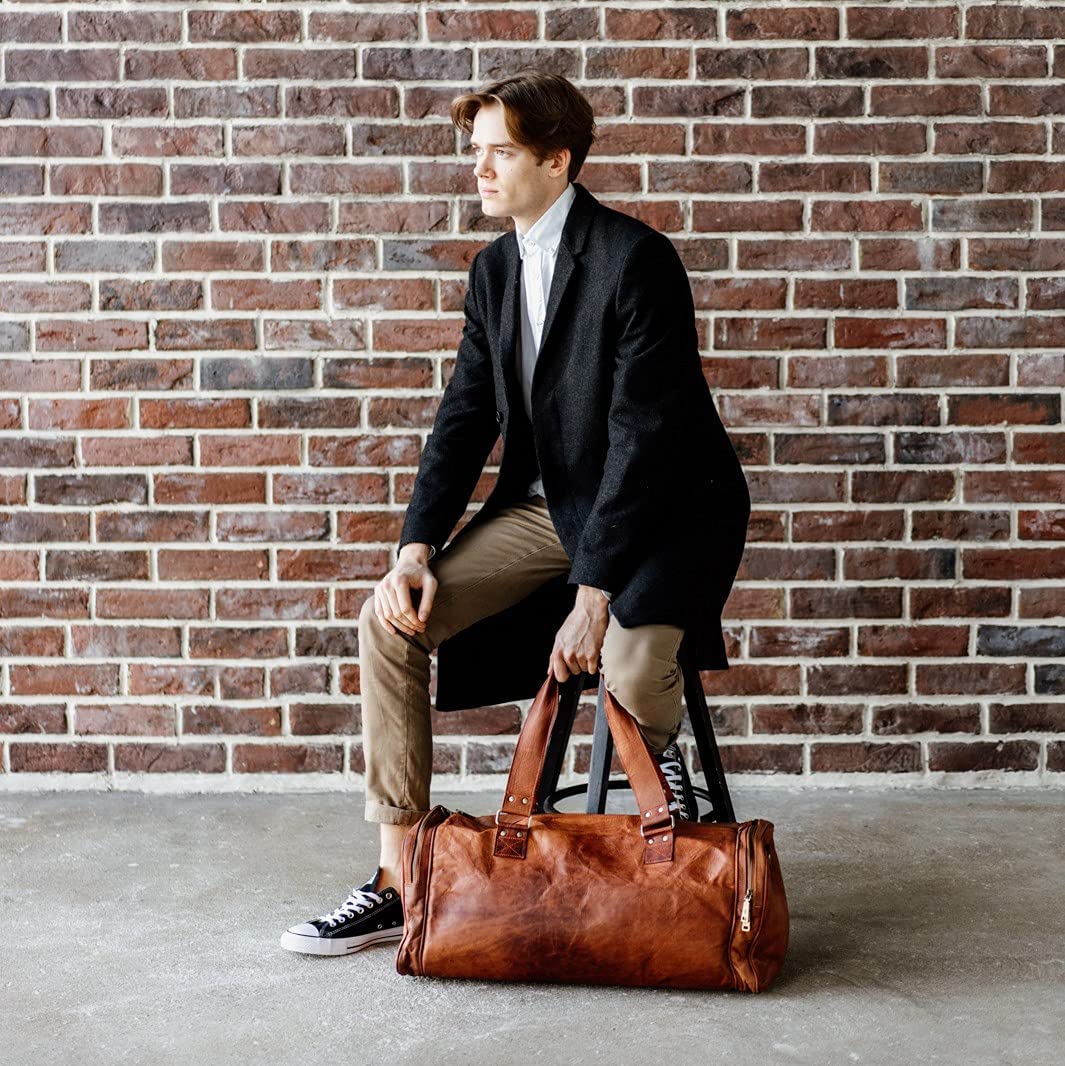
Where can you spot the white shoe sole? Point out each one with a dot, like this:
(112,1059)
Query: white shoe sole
(313,945)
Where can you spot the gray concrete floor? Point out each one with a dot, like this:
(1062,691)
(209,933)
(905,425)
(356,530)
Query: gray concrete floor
(926,928)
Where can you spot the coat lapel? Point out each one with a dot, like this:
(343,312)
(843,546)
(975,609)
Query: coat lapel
(565,264)
(508,323)
(574,235)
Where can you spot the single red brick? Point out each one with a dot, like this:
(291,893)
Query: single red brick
(287,758)
(170,758)
(33,718)
(865,757)
(128,719)
(216,719)
(758,759)
(64,757)
(978,755)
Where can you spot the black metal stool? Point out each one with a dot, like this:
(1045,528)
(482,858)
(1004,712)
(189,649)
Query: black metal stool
(599,780)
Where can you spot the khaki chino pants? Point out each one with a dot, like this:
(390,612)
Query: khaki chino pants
(491,567)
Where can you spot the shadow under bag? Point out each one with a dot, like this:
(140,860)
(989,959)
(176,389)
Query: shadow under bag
(612,899)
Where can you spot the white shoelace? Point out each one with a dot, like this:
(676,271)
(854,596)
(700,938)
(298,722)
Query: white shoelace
(358,900)
(672,773)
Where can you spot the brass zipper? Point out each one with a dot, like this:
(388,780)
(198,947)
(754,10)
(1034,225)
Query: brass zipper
(428,822)
(745,912)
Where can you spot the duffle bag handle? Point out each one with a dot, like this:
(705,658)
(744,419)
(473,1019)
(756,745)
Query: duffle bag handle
(514,819)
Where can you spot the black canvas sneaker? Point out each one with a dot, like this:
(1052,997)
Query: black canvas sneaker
(371,914)
(684,804)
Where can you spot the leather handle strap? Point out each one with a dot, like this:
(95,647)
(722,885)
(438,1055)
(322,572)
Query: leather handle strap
(514,817)
(645,775)
(530,753)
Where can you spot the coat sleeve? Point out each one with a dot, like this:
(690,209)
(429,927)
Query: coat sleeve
(464,431)
(656,372)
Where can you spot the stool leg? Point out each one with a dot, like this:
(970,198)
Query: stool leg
(568,698)
(602,754)
(706,743)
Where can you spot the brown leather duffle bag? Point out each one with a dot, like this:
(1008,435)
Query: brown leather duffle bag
(613,899)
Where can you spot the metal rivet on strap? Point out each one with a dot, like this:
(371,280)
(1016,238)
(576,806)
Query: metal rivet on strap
(502,832)
(650,840)
(524,799)
(519,832)
(661,808)
(511,797)
(647,814)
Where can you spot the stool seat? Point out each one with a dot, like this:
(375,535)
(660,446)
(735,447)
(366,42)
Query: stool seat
(716,792)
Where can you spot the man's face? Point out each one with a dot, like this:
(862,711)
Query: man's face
(509,179)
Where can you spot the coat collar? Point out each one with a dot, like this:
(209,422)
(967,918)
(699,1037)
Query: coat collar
(571,245)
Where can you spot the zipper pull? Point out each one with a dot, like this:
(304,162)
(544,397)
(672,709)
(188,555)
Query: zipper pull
(745,914)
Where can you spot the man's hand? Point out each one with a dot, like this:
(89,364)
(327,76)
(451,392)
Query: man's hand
(392,599)
(580,640)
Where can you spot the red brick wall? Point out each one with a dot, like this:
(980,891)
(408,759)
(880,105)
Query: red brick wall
(233,245)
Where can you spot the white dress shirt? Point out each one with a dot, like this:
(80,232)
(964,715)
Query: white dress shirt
(539,251)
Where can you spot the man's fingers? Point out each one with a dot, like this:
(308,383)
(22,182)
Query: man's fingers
(403,602)
(381,615)
(557,666)
(393,613)
(391,607)
(568,666)
(428,594)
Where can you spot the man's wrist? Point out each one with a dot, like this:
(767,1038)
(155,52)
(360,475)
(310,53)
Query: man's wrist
(417,549)
(599,593)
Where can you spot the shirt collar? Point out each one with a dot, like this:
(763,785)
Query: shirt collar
(547,229)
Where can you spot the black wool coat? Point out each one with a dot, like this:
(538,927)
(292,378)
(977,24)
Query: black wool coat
(642,483)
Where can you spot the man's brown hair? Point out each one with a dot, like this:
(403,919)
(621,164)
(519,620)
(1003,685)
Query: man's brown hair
(542,112)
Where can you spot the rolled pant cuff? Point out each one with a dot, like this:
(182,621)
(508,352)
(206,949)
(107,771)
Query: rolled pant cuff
(384,814)
(656,745)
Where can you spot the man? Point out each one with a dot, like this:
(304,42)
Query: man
(618,517)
